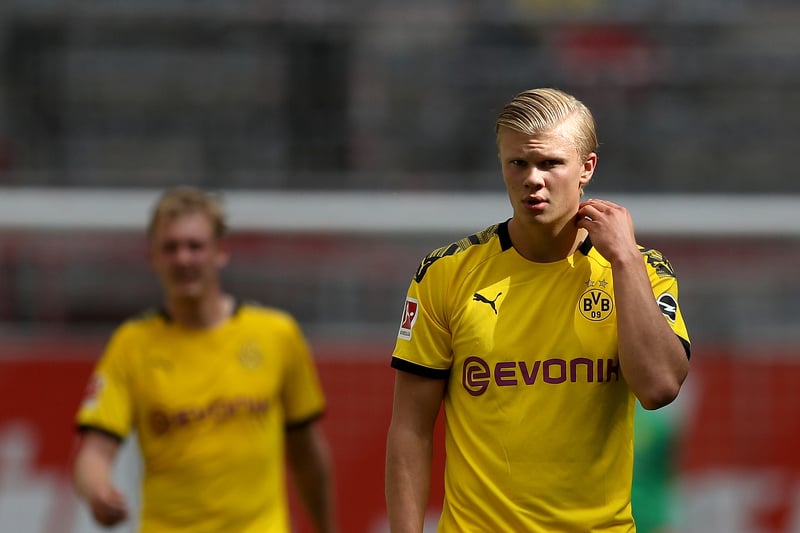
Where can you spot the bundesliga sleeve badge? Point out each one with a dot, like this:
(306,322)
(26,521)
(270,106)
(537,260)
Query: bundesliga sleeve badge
(409,318)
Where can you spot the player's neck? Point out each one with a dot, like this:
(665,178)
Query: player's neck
(545,244)
(202,313)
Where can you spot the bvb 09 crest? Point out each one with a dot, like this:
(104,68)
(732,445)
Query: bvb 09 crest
(596,304)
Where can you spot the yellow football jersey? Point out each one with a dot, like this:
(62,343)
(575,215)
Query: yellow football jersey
(210,408)
(538,417)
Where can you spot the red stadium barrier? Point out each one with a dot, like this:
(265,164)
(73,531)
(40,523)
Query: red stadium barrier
(741,440)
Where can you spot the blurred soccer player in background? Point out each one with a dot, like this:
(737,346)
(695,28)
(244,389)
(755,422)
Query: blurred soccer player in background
(218,392)
(657,447)
(539,334)
(654,472)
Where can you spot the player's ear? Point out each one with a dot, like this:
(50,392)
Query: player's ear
(223,253)
(589,164)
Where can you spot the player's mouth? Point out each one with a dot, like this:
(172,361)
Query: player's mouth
(535,202)
(185,277)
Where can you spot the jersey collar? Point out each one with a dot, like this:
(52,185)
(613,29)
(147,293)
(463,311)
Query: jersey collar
(505,239)
(162,310)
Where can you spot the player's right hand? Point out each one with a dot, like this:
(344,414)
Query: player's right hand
(109,507)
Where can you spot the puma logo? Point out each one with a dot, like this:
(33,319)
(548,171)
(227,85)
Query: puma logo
(483,299)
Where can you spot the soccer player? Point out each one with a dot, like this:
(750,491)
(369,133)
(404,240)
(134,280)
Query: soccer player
(538,334)
(654,497)
(658,437)
(218,391)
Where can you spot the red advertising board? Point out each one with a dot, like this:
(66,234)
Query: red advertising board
(739,460)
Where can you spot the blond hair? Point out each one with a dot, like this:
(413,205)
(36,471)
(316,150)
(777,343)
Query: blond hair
(186,200)
(539,110)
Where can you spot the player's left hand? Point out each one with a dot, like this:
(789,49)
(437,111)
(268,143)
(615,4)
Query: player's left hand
(108,506)
(610,228)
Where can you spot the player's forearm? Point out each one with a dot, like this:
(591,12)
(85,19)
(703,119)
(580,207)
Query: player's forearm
(91,473)
(408,475)
(315,488)
(312,471)
(652,358)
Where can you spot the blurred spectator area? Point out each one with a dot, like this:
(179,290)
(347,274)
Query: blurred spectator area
(349,286)
(734,291)
(689,96)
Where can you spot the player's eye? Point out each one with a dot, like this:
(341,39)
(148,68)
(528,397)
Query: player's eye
(169,247)
(196,245)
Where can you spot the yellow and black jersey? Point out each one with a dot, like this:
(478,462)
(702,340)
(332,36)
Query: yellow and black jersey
(210,408)
(536,405)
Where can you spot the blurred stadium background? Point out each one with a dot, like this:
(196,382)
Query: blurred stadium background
(352,137)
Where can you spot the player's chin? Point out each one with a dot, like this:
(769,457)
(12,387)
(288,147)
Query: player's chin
(188,290)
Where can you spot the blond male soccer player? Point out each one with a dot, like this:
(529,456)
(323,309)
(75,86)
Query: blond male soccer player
(538,334)
(218,391)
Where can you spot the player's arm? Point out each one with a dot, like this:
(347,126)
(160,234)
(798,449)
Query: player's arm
(409,449)
(652,358)
(310,463)
(92,470)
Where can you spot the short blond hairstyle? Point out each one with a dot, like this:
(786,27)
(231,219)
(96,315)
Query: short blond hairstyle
(539,110)
(185,200)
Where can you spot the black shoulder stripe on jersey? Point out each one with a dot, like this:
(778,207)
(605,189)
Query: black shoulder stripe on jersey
(481,237)
(658,261)
(427,262)
(87,428)
(419,370)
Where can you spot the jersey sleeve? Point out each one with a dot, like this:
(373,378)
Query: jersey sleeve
(424,341)
(665,289)
(303,398)
(107,404)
